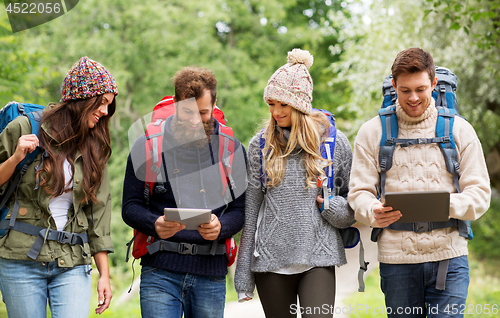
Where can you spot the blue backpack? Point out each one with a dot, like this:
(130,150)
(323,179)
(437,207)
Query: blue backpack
(350,236)
(7,114)
(34,112)
(447,106)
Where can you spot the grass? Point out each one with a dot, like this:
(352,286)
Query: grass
(484,293)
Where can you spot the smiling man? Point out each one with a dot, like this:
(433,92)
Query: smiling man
(186,275)
(423,273)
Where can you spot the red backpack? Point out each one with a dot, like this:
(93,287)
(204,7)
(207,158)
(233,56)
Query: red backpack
(154,141)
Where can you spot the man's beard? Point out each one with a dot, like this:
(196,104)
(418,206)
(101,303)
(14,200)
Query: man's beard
(187,137)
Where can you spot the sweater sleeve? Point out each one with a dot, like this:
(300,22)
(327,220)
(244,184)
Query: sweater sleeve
(134,211)
(339,213)
(365,177)
(474,180)
(244,278)
(234,216)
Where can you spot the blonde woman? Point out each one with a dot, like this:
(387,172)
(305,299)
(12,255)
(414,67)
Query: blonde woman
(290,244)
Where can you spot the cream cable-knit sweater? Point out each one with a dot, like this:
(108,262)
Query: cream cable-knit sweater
(419,168)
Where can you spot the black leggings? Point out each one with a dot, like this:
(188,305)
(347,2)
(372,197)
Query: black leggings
(315,288)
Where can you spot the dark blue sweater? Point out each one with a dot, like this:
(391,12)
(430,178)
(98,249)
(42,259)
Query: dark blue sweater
(195,184)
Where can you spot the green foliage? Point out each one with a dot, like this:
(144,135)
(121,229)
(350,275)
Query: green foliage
(467,15)
(21,77)
(486,233)
(483,289)
(144,45)
(387,27)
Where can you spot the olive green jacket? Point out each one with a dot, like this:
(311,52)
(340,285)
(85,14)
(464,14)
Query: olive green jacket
(34,209)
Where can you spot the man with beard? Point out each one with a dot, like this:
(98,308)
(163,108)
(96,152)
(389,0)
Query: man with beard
(187,275)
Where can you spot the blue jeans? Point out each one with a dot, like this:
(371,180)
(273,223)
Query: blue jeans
(410,289)
(169,294)
(26,286)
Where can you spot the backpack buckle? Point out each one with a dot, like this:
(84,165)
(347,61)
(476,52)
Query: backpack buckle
(422,227)
(65,238)
(187,249)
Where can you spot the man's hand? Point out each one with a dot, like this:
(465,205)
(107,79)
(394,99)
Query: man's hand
(385,216)
(166,229)
(210,231)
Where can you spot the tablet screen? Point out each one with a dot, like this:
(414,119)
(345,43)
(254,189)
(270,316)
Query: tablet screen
(192,218)
(423,206)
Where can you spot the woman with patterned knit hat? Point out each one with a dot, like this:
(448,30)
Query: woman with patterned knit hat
(62,206)
(290,244)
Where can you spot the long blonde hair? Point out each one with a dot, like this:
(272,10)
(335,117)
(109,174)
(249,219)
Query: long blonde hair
(310,132)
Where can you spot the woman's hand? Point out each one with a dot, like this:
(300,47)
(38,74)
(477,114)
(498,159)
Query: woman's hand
(104,294)
(25,144)
(104,285)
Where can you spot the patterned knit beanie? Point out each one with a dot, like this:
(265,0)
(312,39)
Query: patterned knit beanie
(87,79)
(292,84)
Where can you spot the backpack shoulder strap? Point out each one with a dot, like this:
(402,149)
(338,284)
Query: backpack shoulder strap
(226,155)
(447,105)
(328,152)
(444,128)
(390,129)
(35,120)
(154,143)
(262,144)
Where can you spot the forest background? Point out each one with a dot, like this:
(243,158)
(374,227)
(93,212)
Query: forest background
(353,42)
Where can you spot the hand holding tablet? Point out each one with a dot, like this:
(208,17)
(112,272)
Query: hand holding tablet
(192,218)
(385,215)
(422,206)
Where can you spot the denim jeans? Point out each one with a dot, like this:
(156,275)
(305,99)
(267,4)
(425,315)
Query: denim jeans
(27,285)
(410,289)
(170,294)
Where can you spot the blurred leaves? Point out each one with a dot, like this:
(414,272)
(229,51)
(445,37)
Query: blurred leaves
(376,34)
(144,44)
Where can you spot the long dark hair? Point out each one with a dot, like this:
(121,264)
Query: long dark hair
(68,124)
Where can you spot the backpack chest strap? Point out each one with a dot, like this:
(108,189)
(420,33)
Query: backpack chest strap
(422,227)
(44,234)
(185,248)
(420,141)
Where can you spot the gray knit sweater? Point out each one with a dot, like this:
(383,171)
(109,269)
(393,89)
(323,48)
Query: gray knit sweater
(292,230)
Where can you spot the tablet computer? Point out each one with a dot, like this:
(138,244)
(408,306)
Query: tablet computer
(422,206)
(192,218)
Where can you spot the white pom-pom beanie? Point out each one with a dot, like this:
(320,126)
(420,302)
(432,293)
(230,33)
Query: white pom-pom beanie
(292,84)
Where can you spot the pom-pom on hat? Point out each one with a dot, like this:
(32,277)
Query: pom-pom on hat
(87,79)
(292,84)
